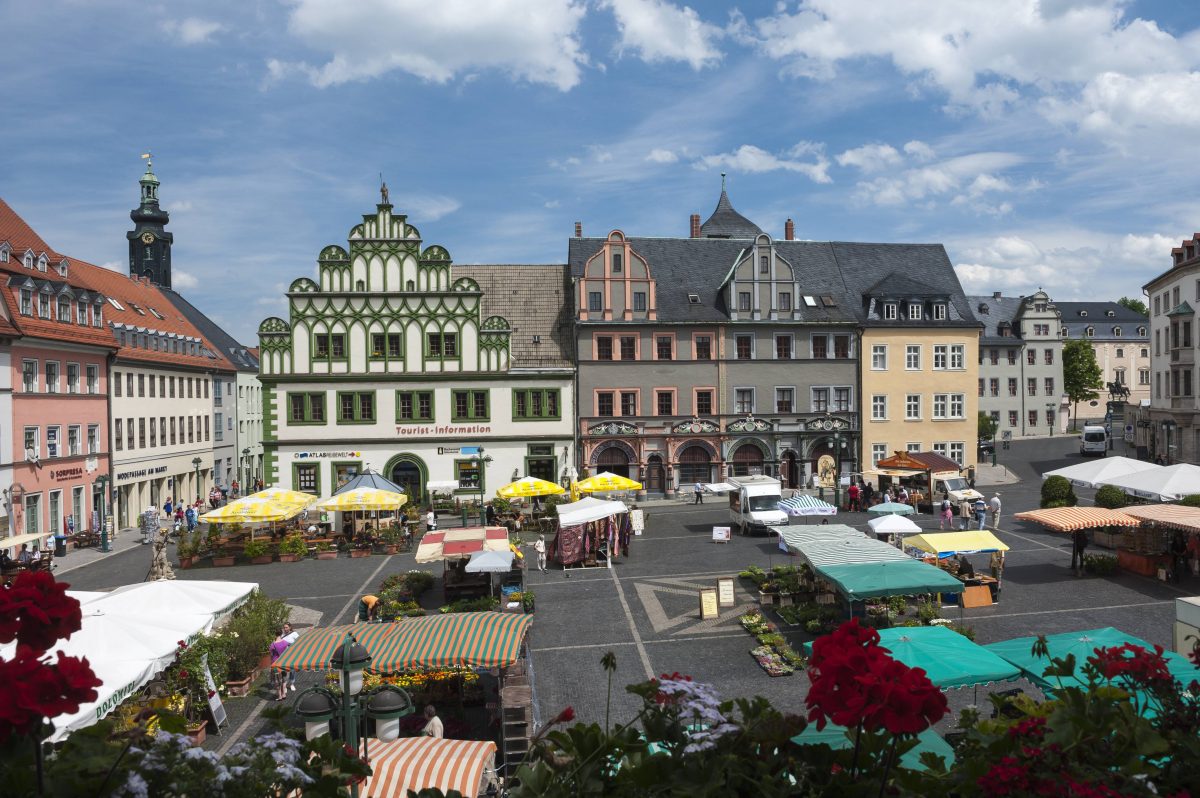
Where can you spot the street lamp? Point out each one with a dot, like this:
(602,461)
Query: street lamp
(1167,425)
(246,471)
(103,481)
(196,461)
(1050,416)
(837,468)
(385,704)
(482,461)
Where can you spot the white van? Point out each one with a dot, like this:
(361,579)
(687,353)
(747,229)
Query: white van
(1093,441)
(754,504)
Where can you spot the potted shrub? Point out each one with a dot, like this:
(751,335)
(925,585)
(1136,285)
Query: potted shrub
(326,551)
(293,548)
(389,540)
(187,553)
(222,557)
(259,552)
(364,541)
(527,599)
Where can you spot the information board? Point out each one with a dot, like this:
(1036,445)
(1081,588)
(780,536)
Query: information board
(720,534)
(637,519)
(214,697)
(725,595)
(708,603)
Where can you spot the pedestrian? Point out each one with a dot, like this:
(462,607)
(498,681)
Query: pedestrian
(994,506)
(179,519)
(431,520)
(168,508)
(997,567)
(852,494)
(1179,554)
(290,636)
(368,608)
(946,517)
(278,678)
(234,489)
(433,724)
(698,493)
(1079,544)
(980,508)
(490,514)
(189,515)
(868,492)
(903,497)
(540,548)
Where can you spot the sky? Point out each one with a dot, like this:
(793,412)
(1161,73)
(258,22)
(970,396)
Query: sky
(1046,144)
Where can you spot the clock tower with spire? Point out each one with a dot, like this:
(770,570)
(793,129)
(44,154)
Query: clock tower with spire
(149,242)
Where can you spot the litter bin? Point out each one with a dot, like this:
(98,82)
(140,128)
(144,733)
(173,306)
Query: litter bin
(60,545)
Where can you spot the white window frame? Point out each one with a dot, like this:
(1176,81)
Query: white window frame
(878,452)
(33,514)
(791,340)
(959,401)
(879,407)
(28,386)
(941,354)
(93,440)
(939,311)
(791,388)
(879,357)
(941,406)
(92,372)
(912,357)
(812,398)
(940,447)
(909,401)
(37,440)
(76,449)
(72,385)
(914,311)
(52,384)
(891,311)
(912,447)
(54,443)
(958,357)
(961,449)
(737,401)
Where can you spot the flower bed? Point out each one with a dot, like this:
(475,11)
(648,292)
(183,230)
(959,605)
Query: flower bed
(771,662)
(778,658)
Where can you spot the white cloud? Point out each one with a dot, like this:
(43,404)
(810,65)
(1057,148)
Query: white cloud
(750,159)
(659,155)
(870,157)
(427,207)
(661,31)
(192,30)
(1115,106)
(183,281)
(972,173)
(531,40)
(919,150)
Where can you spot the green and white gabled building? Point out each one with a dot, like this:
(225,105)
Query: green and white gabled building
(396,360)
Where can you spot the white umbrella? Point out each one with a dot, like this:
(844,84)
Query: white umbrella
(490,562)
(893,525)
(1167,483)
(1094,473)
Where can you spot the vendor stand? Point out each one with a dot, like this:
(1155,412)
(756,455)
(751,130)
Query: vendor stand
(1094,473)
(591,533)
(1166,483)
(423,763)
(454,547)
(1136,552)
(920,473)
(804,505)
(939,547)
(604,482)
(1161,523)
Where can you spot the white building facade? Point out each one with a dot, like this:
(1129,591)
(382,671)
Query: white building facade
(249,429)
(394,360)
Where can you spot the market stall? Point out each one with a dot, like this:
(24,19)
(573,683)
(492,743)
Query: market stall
(604,482)
(1165,483)
(804,505)
(892,527)
(906,577)
(422,763)
(925,475)
(1093,473)
(1150,545)
(591,532)
(891,508)
(837,544)
(205,603)
(1110,528)
(454,547)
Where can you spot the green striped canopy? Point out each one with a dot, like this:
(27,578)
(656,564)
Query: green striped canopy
(468,639)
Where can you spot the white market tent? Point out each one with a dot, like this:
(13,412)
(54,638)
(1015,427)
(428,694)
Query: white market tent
(588,509)
(1094,473)
(893,525)
(1166,483)
(132,633)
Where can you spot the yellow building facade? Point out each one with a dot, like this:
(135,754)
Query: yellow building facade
(919,393)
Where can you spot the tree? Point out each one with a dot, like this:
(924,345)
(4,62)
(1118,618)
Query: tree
(1111,497)
(1134,304)
(1081,373)
(1057,492)
(987,426)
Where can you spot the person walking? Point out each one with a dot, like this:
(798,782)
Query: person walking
(852,495)
(540,548)
(290,636)
(1079,543)
(169,509)
(189,515)
(433,724)
(698,493)
(1179,556)
(997,568)
(980,508)
(946,516)
(431,520)
(868,492)
(994,506)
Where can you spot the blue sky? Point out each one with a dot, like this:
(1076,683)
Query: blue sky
(1047,144)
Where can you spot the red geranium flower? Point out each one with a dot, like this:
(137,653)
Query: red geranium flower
(37,612)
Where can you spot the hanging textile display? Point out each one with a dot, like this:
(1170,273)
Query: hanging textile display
(568,544)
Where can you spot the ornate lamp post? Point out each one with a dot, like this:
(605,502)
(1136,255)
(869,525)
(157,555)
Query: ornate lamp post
(482,461)
(386,704)
(1050,417)
(246,471)
(196,461)
(103,481)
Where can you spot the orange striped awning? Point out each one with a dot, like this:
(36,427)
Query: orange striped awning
(421,763)
(1068,519)
(1172,516)
(467,639)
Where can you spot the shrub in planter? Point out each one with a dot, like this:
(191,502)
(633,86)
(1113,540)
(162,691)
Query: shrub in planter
(965,631)
(258,551)
(1111,497)
(471,605)
(1057,492)
(293,548)
(326,551)
(1100,564)
(250,632)
(814,627)
(755,574)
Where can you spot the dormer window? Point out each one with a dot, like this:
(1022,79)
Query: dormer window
(1111,314)
(4,249)
(1141,332)
(1083,314)
(1064,332)
(1116,332)
(62,268)
(983,309)
(26,302)
(618,262)
(914,311)
(28,260)
(44,305)
(939,311)
(98,315)
(1005,330)
(890,311)
(1090,332)
(81,313)
(42,263)
(64,309)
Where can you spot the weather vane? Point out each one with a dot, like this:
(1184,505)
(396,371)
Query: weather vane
(146,157)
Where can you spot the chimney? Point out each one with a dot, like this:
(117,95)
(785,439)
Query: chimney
(695,231)
(579,229)
(789,230)
(995,295)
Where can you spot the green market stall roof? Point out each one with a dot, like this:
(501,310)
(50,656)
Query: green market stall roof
(907,577)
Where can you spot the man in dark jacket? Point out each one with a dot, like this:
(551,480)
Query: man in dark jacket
(1079,543)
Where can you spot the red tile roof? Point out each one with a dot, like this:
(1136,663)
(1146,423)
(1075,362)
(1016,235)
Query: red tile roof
(130,293)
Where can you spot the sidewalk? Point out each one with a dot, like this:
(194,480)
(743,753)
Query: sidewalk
(124,540)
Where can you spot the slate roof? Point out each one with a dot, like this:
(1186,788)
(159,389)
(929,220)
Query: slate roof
(240,357)
(840,270)
(725,222)
(536,299)
(990,311)
(1127,320)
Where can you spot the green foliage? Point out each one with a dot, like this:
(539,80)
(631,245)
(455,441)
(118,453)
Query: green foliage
(1136,305)
(966,631)
(1111,497)
(1057,492)
(482,604)
(410,584)
(1101,565)
(250,632)
(927,611)
(294,544)
(987,426)
(755,574)
(1190,501)
(257,548)
(897,605)
(1082,376)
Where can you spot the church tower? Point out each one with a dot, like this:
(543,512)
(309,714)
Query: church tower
(149,242)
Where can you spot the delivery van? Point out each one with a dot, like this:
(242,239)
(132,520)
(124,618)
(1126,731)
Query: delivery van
(754,504)
(1093,441)
(952,484)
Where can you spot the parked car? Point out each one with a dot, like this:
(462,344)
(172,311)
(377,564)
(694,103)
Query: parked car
(986,446)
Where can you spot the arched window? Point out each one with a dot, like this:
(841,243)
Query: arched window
(1116,332)
(1090,332)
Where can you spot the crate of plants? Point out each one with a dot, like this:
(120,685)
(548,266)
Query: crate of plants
(771,661)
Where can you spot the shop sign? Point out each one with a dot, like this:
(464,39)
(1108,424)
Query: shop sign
(410,431)
(725,595)
(141,472)
(708,604)
(59,474)
(447,450)
(326,455)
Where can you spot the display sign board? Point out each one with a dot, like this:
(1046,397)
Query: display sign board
(720,534)
(708,603)
(637,519)
(214,697)
(725,595)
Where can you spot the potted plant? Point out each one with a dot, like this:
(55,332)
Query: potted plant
(222,557)
(187,553)
(527,599)
(293,548)
(389,538)
(364,541)
(259,552)
(326,551)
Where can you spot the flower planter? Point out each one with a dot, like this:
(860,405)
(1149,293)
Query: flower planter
(223,562)
(236,688)
(186,562)
(785,599)
(392,549)
(198,733)
(771,662)
(324,555)
(768,599)
(263,559)
(290,558)
(357,553)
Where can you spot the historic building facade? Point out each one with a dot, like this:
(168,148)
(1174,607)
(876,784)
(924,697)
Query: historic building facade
(395,359)
(725,353)
(1020,363)
(1120,337)
(1169,428)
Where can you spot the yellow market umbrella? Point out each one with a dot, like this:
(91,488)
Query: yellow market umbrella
(283,496)
(606,482)
(245,511)
(364,498)
(526,487)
